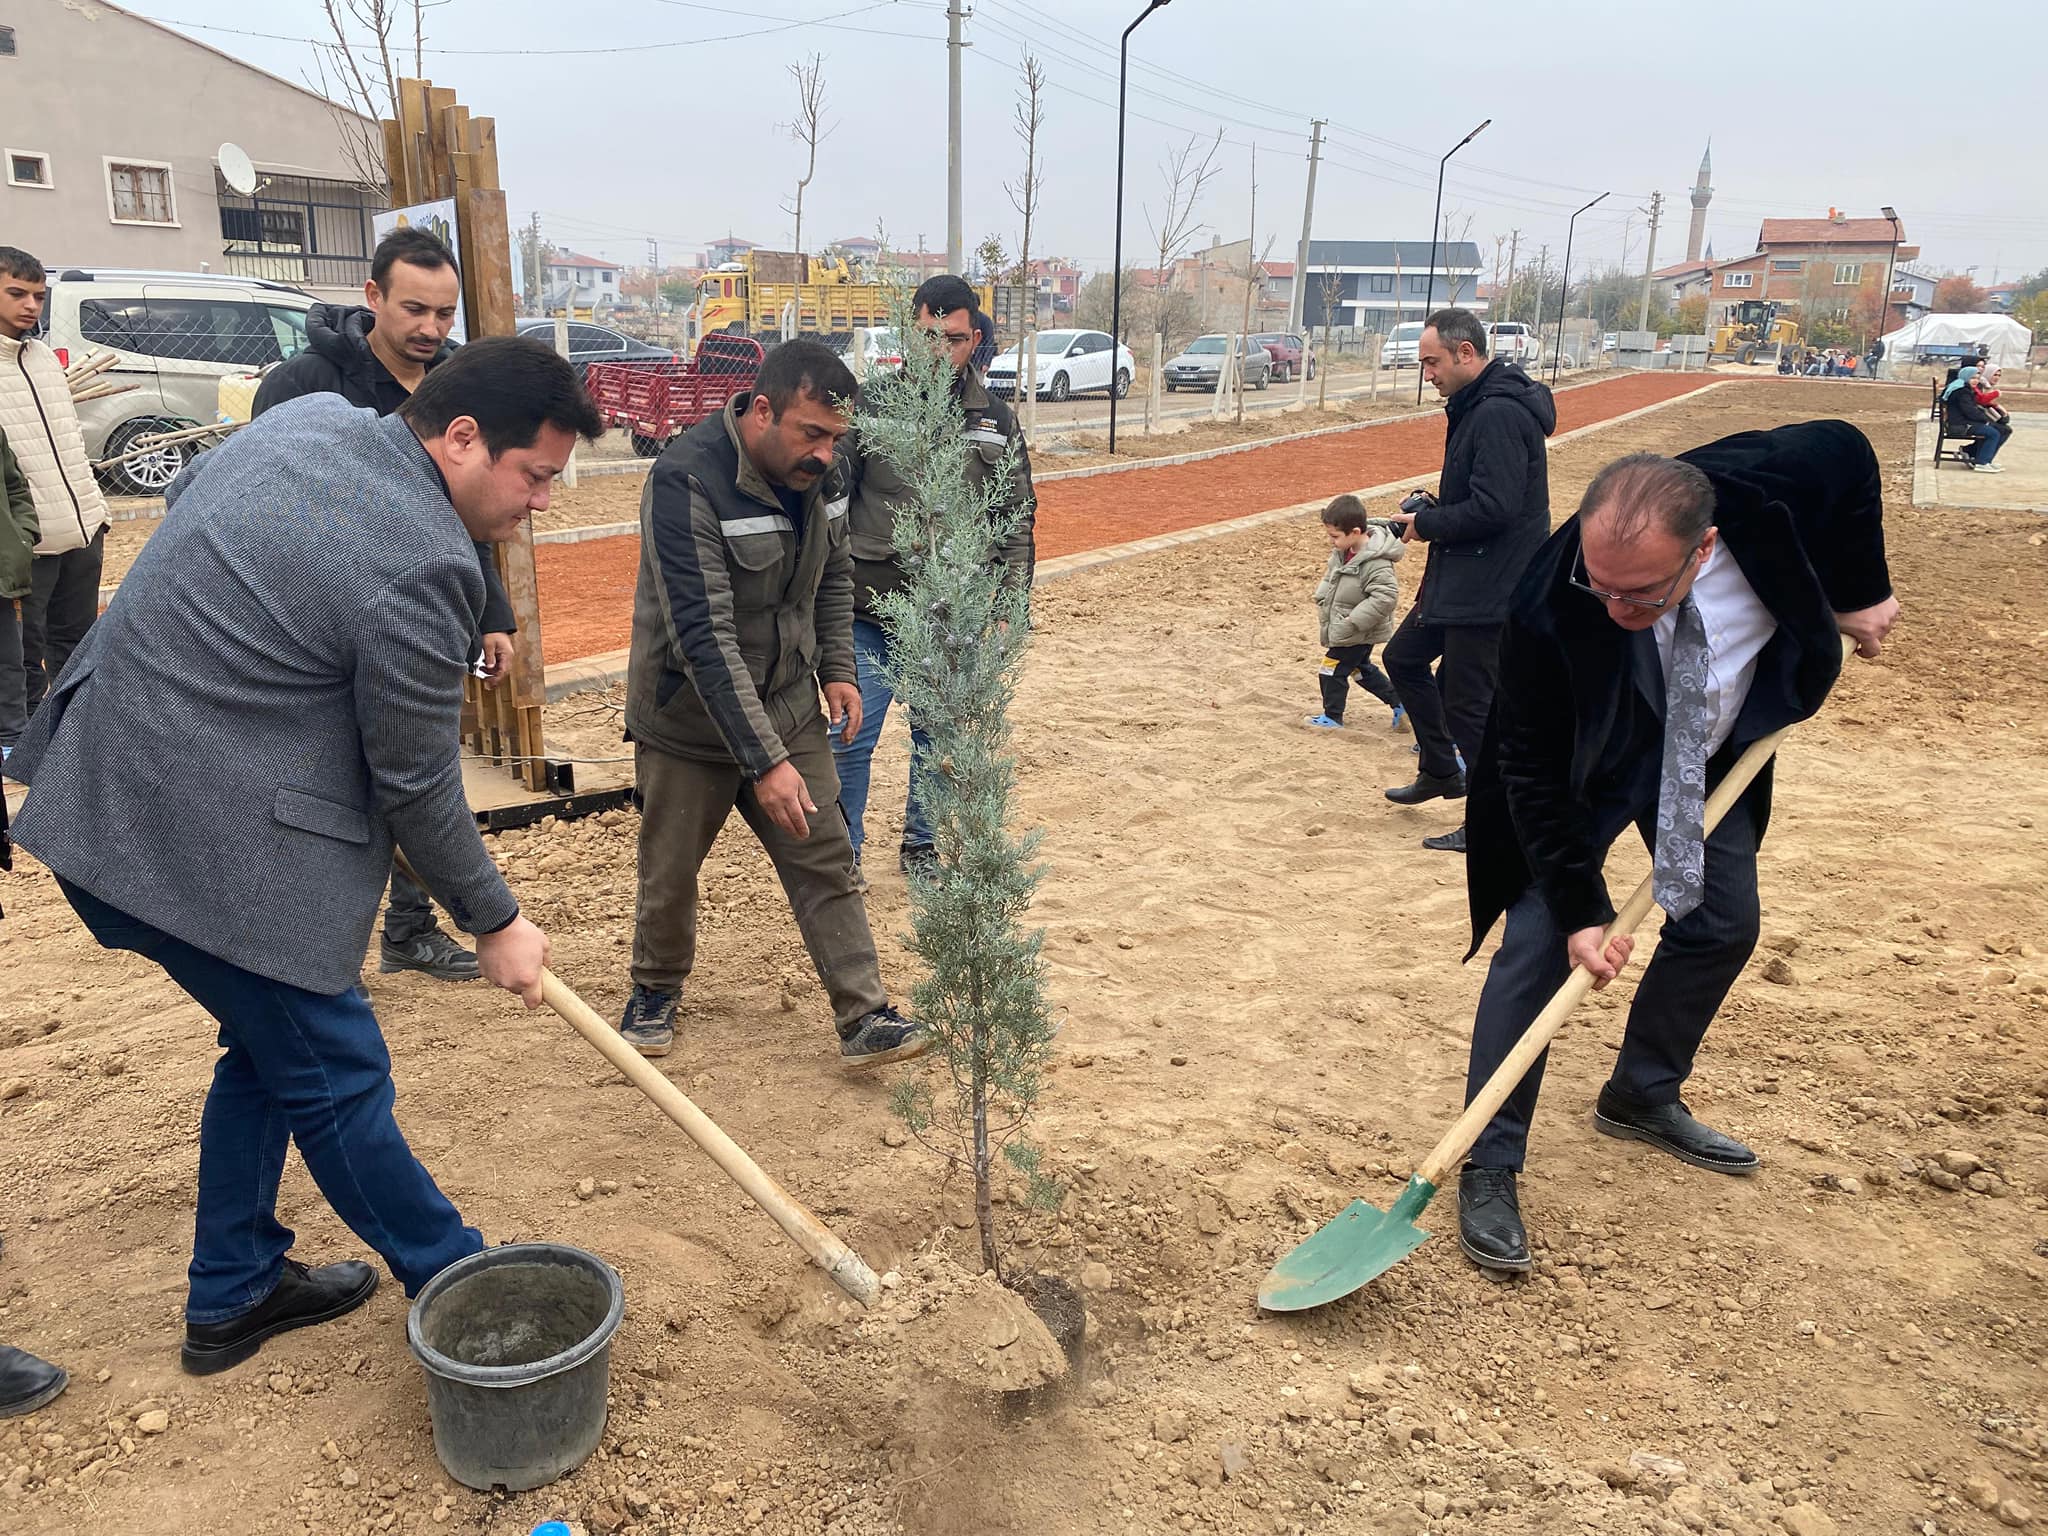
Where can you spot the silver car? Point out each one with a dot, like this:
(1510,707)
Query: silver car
(177,336)
(1201,365)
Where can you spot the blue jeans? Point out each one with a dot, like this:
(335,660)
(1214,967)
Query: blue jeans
(1989,440)
(300,1067)
(853,758)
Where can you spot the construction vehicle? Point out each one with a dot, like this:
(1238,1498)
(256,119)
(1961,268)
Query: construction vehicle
(767,291)
(1752,329)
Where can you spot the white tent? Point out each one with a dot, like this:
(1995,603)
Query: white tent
(2007,338)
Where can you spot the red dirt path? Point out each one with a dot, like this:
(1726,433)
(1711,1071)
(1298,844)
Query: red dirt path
(587,589)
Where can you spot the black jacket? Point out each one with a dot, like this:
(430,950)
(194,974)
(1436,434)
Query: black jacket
(1800,510)
(338,361)
(1493,501)
(1962,409)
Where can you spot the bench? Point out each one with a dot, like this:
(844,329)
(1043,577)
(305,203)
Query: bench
(1957,450)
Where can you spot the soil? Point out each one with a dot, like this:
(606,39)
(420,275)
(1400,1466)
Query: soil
(1264,1016)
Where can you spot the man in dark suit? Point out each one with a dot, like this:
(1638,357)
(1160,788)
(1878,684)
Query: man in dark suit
(270,704)
(1692,606)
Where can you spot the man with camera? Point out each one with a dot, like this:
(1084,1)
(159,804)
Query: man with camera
(1490,514)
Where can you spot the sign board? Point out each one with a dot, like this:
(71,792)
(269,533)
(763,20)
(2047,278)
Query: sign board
(438,219)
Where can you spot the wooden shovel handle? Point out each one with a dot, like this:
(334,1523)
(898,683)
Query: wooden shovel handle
(810,1234)
(1450,1152)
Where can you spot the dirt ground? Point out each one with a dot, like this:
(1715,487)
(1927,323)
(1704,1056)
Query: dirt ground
(1257,971)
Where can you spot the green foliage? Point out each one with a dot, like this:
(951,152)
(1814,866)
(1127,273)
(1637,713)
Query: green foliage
(679,291)
(958,631)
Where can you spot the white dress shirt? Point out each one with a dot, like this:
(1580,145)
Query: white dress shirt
(1738,627)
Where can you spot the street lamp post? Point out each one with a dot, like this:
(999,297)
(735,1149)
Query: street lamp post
(1557,352)
(1884,303)
(1429,283)
(1116,276)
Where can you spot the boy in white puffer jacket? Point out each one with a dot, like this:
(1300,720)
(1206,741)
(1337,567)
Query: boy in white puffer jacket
(1355,604)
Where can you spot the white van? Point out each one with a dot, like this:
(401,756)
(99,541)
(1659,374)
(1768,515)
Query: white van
(177,335)
(1399,349)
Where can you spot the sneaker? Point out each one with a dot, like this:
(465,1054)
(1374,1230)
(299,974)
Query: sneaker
(1987,469)
(649,1022)
(1323,723)
(434,954)
(883,1036)
(1400,717)
(918,859)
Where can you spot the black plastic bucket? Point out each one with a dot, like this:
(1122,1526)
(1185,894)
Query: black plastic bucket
(517,1346)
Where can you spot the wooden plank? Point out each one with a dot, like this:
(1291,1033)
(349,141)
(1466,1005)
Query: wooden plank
(394,162)
(412,124)
(487,264)
(439,99)
(484,145)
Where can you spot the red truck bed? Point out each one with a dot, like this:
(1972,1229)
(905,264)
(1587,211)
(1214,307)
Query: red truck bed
(655,403)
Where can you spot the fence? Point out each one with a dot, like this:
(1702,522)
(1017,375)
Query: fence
(302,230)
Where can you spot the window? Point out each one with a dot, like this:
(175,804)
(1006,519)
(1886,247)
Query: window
(1738,279)
(6,41)
(289,326)
(1787,266)
(186,330)
(28,168)
(139,192)
(1849,272)
(1418,285)
(1382,282)
(266,228)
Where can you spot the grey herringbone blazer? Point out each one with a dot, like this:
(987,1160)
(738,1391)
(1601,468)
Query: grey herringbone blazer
(273,696)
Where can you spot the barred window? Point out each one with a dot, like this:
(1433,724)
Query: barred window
(139,192)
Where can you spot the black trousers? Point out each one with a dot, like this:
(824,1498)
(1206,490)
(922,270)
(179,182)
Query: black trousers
(1447,707)
(1696,961)
(63,601)
(1344,664)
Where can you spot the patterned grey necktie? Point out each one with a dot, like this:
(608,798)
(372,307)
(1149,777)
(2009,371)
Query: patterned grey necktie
(1679,866)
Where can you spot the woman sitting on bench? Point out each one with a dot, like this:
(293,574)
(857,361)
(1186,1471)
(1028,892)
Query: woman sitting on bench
(1965,416)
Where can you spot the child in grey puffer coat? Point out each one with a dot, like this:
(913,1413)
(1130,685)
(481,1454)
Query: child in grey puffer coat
(1355,603)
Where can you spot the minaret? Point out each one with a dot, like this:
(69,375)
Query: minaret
(1702,194)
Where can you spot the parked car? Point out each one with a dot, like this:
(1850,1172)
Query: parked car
(1288,352)
(598,343)
(1400,349)
(177,335)
(1069,363)
(1607,341)
(1513,341)
(1201,365)
(873,346)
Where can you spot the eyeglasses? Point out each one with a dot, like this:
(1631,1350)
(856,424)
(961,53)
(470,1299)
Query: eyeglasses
(1578,579)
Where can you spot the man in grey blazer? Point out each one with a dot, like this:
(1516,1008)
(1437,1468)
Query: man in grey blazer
(218,778)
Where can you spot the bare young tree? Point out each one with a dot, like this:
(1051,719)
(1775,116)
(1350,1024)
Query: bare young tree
(1457,230)
(1332,289)
(1029,118)
(363,91)
(1253,272)
(808,129)
(1186,179)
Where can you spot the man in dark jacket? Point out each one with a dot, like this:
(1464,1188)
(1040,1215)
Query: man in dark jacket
(1692,607)
(877,491)
(1491,511)
(374,358)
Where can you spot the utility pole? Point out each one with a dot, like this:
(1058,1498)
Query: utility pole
(1308,215)
(1656,211)
(654,271)
(534,286)
(1514,248)
(956,247)
(1542,282)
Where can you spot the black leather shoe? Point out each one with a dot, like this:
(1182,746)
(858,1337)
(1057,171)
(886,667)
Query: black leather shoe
(26,1383)
(1671,1128)
(1490,1220)
(303,1297)
(1450,842)
(1429,786)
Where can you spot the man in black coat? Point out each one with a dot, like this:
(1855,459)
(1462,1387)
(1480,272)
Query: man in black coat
(1491,511)
(374,357)
(1712,591)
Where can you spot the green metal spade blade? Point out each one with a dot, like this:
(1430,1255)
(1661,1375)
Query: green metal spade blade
(1358,1246)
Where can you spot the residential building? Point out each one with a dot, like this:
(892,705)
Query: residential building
(1059,284)
(731,248)
(580,284)
(1674,284)
(1825,266)
(113,124)
(1375,284)
(857,248)
(1912,296)
(2000,296)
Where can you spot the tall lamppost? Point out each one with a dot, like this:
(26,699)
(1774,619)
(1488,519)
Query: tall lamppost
(1116,276)
(1884,303)
(1429,283)
(1564,292)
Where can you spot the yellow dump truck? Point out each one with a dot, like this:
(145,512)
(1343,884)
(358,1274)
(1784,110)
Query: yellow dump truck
(749,297)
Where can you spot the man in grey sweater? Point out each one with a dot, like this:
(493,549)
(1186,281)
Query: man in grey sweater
(272,702)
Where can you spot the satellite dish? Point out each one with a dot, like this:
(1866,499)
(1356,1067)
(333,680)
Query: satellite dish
(236,168)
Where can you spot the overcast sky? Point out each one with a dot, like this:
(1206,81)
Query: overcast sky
(624,119)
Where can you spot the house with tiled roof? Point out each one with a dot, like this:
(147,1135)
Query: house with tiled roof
(1825,266)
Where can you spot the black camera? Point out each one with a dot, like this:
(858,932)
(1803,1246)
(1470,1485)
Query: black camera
(1417,501)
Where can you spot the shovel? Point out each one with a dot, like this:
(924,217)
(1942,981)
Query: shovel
(847,1269)
(1363,1242)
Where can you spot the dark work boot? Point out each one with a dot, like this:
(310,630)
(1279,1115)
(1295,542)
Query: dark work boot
(26,1383)
(1429,786)
(303,1297)
(1490,1220)
(1671,1128)
(1449,842)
